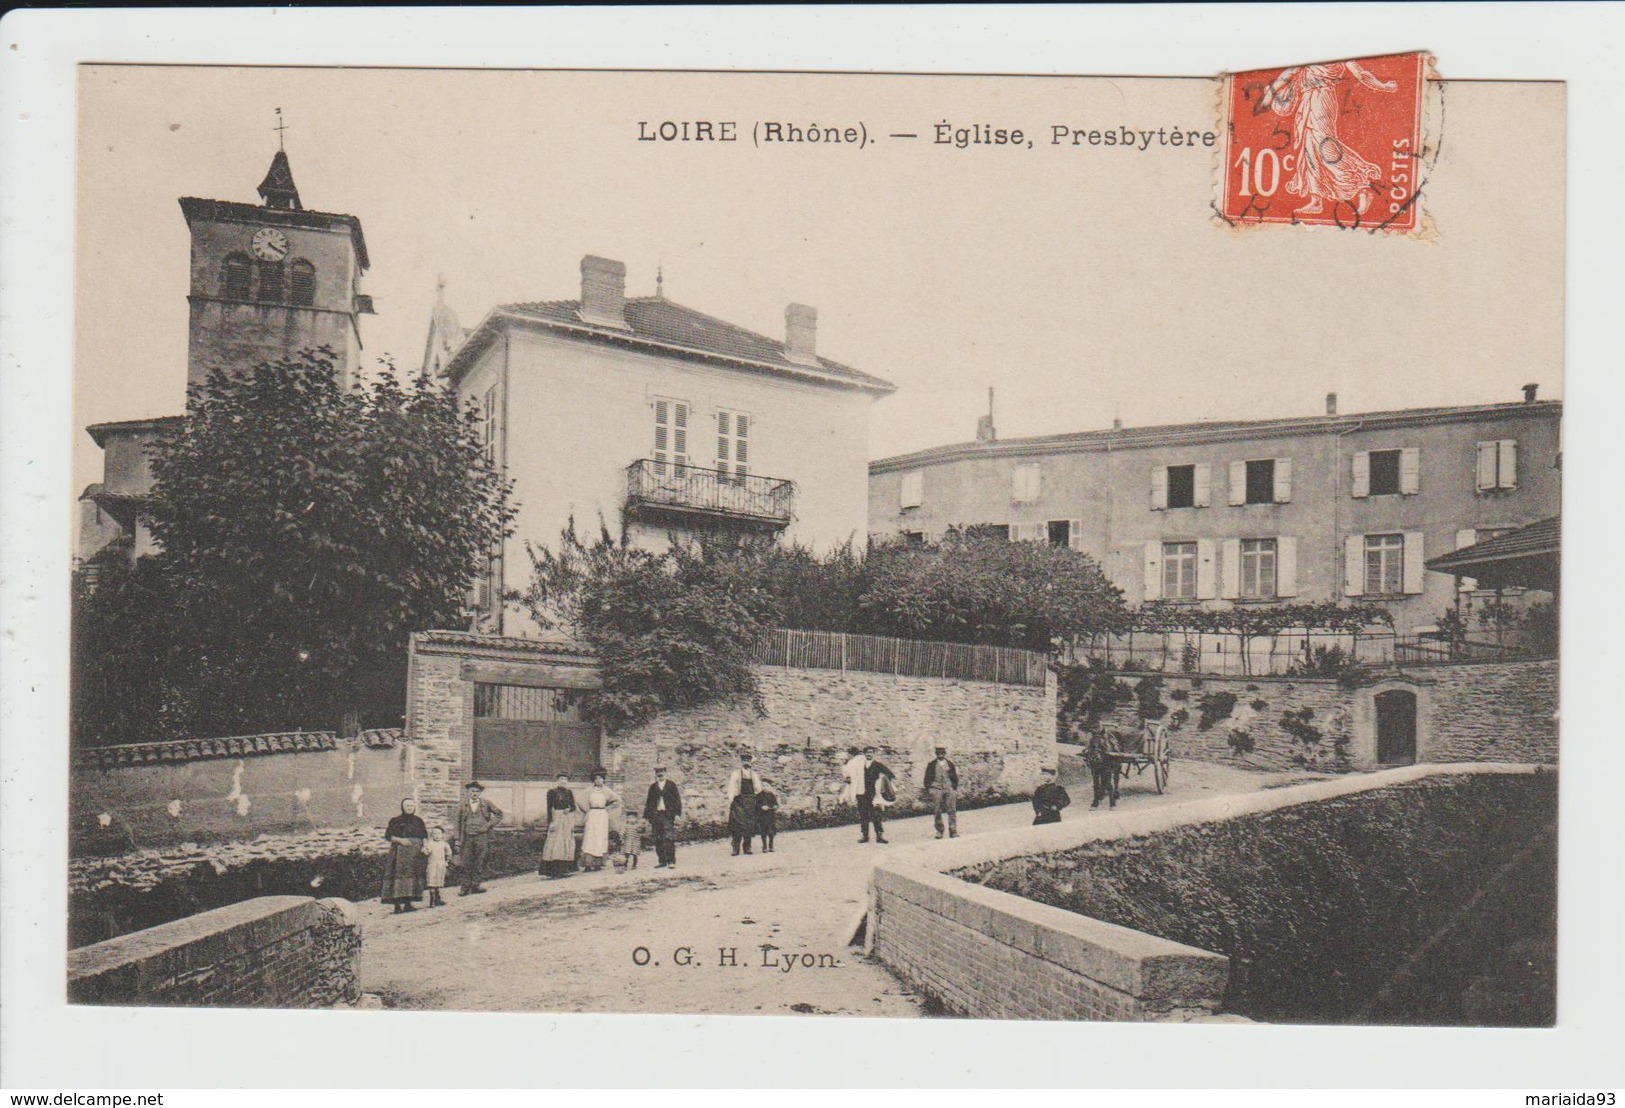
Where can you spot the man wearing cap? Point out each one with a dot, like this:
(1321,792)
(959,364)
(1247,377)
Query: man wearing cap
(942,790)
(868,811)
(661,809)
(743,785)
(477,817)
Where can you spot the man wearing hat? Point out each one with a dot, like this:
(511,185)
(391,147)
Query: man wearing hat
(743,785)
(877,778)
(661,809)
(942,790)
(477,817)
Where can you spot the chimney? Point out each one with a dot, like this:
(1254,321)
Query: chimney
(801,334)
(1529,391)
(1331,403)
(1117,423)
(985,431)
(603,292)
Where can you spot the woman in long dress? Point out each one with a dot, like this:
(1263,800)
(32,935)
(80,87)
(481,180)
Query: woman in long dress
(403,871)
(596,804)
(559,851)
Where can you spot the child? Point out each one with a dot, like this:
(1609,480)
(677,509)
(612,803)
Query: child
(631,841)
(439,854)
(767,808)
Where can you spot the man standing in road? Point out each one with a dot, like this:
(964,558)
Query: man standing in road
(476,819)
(1048,799)
(877,780)
(942,790)
(661,809)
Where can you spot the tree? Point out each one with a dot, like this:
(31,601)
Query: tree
(672,630)
(977,589)
(305,531)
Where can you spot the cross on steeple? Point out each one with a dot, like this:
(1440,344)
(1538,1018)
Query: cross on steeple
(280,127)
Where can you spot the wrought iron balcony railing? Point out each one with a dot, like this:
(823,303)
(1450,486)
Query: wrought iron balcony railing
(669,488)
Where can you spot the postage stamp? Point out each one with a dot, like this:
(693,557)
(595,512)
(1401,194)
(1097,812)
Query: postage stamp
(1328,143)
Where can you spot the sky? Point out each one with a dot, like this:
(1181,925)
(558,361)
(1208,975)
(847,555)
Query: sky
(1082,285)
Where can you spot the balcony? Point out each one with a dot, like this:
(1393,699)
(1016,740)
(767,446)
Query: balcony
(685,494)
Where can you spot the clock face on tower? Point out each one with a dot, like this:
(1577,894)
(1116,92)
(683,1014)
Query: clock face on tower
(270,245)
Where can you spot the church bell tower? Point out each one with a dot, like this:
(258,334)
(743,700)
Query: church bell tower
(272,279)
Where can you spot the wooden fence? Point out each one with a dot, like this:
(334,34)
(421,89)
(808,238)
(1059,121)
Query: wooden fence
(1001,665)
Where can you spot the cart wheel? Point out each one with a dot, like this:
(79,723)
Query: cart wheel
(1159,773)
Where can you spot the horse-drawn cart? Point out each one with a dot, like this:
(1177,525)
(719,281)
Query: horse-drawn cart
(1140,751)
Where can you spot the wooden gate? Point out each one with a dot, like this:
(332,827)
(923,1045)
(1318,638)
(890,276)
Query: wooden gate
(527,733)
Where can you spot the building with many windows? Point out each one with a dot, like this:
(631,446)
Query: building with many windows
(658,420)
(1329,507)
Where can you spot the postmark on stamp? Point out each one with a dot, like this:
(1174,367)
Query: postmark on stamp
(1335,144)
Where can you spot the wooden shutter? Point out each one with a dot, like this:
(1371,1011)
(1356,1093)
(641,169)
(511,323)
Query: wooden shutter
(1153,571)
(1159,488)
(1415,570)
(1507,470)
(1360,482)
(1207,556)
(1230,569)
(1074,534)
(1410,471)
(662,448)
(1238,483)
(1286,565)
(910,495)
(741,444)
(1204,485)
(679,433)
(724,437)
(1354,565)
(1488,453)
(1283,480)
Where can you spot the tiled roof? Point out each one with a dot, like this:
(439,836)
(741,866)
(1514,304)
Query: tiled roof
(1211,431)
(659,322)
(239,746)
(191,750)
(1533,540)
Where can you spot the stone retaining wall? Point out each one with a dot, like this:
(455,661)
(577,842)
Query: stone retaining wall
(270,952)
(987,954)
(1492,712)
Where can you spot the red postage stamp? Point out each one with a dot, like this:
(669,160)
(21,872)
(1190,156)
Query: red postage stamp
(1332,143)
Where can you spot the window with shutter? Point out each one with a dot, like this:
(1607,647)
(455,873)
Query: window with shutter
(1384,565)
(733,445)
(1360,477)
(1258,562)
(1384,472)
(1202,494)
(912,494)
(490,408)
(671,435)
(1260,481)
(1410,471)
(1506,468)
(1415,572)
(302,284)
(1024,484)
(1179,570)
(1181,486)
(1283,480)
(236,277)
(268,282)
(1074,534)
(1159,488)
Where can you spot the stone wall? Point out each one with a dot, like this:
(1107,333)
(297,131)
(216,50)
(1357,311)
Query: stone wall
(270,952)
(999,737)
(1253,730)
(168,804)
(987,954)
(1414,895)
(1468,712)
(1491,712)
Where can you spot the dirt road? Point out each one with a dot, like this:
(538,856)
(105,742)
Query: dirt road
(763,934)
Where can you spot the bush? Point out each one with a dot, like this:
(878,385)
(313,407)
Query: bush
(1149,693)
(1215,707)
(1085,695)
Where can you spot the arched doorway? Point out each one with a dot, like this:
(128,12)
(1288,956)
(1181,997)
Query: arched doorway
(1396,727)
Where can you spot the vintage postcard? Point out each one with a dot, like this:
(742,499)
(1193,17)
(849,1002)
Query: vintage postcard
(1029,548)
